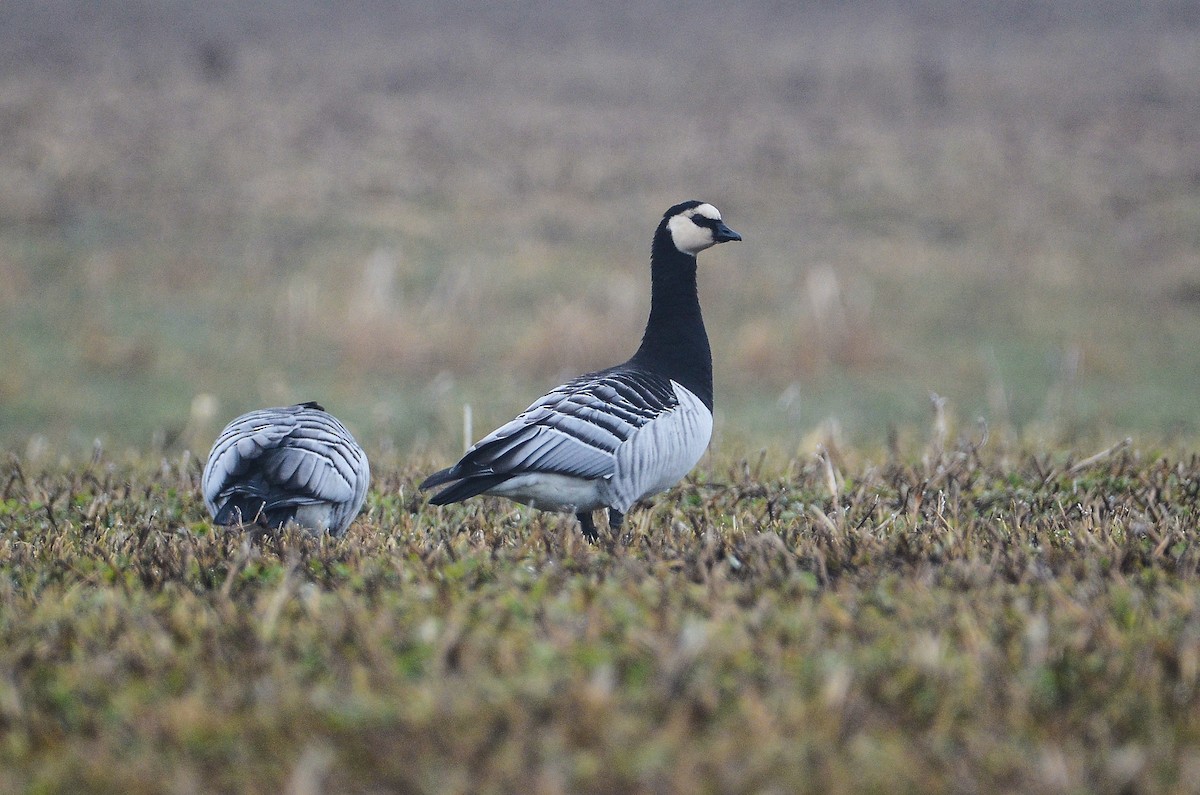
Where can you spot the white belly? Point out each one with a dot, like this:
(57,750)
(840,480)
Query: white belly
(317,517)
(551,492)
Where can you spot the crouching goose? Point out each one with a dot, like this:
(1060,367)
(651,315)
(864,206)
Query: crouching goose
(288,464)
(609,438)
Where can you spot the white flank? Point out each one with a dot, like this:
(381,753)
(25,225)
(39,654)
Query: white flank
(551,492)
(659,454)
(318,517)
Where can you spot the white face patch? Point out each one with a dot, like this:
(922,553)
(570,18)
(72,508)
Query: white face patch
(688,237)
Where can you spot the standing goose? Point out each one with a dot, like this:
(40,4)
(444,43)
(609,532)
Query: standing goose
(293,463)
(609,438)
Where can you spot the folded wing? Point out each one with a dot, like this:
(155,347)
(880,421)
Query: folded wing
(574,430)
(275,459)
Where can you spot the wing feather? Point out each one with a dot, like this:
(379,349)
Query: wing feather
(575,429)
(287,457)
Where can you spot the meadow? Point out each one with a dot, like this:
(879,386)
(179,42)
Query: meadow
(944,538)
(961,618)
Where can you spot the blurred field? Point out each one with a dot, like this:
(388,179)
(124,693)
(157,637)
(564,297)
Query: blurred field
(398,208)
(952,620)
(401,208)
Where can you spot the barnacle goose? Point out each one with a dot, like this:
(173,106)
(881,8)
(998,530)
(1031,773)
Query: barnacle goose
(610,438)
(293,463)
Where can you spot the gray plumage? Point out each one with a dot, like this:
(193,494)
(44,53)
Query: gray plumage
(607,439)
(603,439)
(293,463)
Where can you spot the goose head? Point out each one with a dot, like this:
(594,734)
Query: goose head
(695,226)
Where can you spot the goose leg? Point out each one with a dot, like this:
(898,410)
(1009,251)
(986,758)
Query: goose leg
(615,518)
(587,526)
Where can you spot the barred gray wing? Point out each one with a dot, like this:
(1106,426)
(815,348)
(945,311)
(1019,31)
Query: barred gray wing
(575,429)
(288,455)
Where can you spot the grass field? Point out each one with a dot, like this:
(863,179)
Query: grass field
(401,208)
(960,620)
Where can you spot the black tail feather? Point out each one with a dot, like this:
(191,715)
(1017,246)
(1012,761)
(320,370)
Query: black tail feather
(250,509)
(468,487)
(438,478)
(243,509)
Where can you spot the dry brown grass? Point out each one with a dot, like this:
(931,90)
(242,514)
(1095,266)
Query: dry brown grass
(195,198)
(965,619)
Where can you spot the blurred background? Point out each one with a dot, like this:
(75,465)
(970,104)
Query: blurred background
(399,208)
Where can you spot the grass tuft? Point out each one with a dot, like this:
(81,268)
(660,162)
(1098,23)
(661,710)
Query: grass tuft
(962,620)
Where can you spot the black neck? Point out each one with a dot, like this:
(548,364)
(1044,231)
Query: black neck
(675,344)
